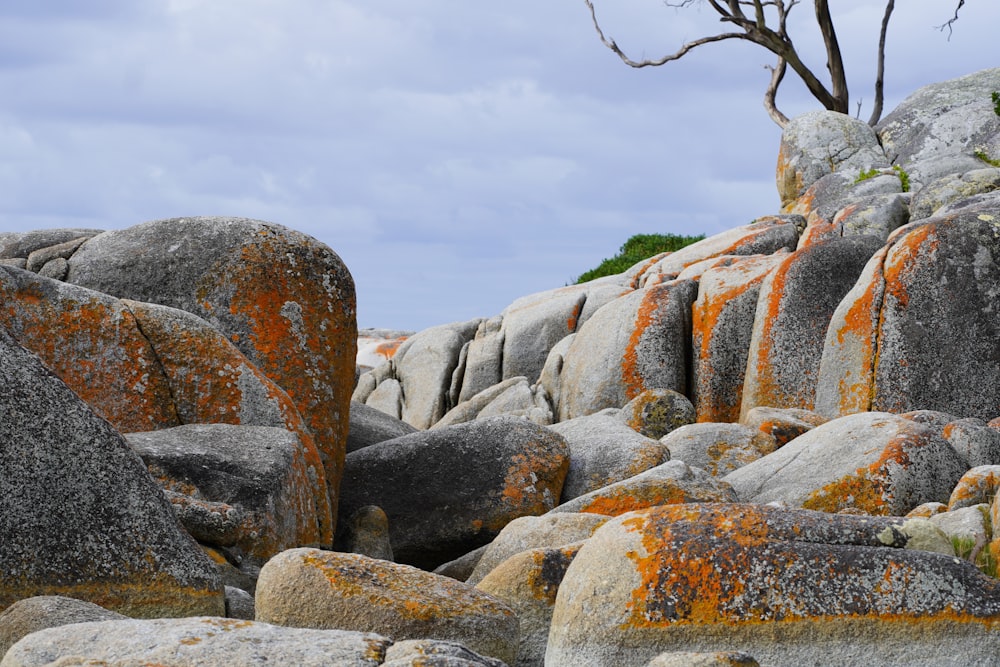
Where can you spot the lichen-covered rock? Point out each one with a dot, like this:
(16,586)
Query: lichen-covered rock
(552,530)
(875,215)
(789,587)
(722,319)
(794,309)
(258,470)
(928,200)
(718,448)
(670,483)
(874,462)
(818,143)
(918,329)
(529,582)
(450,490)
(603,450)
(637,342)
(80,515)
(46,611)
(765,236)
(936,130)
(204,641)
(978,485)
(435,653)
(974,440)
(693,659)
(308,588)
(782,424)
(656,412)
(283,298)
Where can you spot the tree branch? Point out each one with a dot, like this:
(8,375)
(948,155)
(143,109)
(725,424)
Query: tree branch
(880,71)
(777,74)
(949,22)
(834,60)
(680,53)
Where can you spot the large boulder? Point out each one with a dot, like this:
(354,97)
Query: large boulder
(818,143)
(874,462)
(603,450)
(203,641)
(918,330)
(936,130)
(47,611)
(370,427)
(637,342)
(450,490)
(794,308)
(789,587)
(722,320)
(308,588)
(255,470)
(283,298)
(718,448)
(80,515)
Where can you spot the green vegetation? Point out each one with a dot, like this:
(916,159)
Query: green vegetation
(967,548)
(904,178)
(996,102)
(636,249)
(981,154)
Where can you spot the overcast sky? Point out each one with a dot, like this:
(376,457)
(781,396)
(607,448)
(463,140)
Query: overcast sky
(456,154)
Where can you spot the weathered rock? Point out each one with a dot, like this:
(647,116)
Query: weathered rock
(432,653)
(370,426)
(718,448)
(782,424)
(790,587)
(461,568)
(553,530)
(46,611)
(387,397)
(918,329)
(239,604)
(258,470)
(528,582)
(534,323)
(551,377)
(79,514)
(480,363)
(284,299)
(670,483)
(603,450)
(715,659)
(207,641)
(22,244)
(875,215)
(796,303)
(822,142)
(974,440)
(976,486)
(874,462)
(366,532)
(449,490)
(936,130)
(952,188)
(722,324)
(656,412)
(323,589)
(637,342)
(765,236)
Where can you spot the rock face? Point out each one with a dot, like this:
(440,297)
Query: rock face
(284,299)
(213,642)
(772,583)
(79,514)
(450,490)
(874,462)
(46,611)
(321,589)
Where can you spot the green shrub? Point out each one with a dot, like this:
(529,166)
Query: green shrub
(904,178)
(981,154)
(996,102)
(636,249)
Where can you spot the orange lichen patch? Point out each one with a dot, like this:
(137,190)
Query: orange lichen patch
(574,317)
(817,231)
(387,349)
(789,179)
(93,344)
(530,485)
(766,389)
(901,260)
(629,499)
(208,378)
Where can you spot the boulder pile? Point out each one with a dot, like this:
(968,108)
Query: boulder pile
(777,446)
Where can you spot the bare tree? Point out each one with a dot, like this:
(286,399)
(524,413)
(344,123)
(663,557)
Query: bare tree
(764,22)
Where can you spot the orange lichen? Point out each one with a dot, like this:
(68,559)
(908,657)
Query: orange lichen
(647,316)
(625,500)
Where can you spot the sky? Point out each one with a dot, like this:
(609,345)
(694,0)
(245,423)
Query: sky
(456,154)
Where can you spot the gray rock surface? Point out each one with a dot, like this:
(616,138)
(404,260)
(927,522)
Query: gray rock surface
(370,426)
(46,611)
